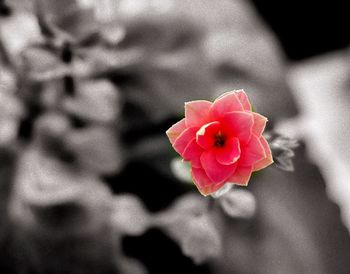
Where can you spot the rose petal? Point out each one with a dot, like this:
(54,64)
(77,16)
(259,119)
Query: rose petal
(184,139)
(241,175)
(229,153)
(205,135)
(203,183)
(243,98)
(197,113)
(175,130)
(259,124)
(228,102)
(216,172)
(239,124)
(192,153)
(268,160)
(252,153)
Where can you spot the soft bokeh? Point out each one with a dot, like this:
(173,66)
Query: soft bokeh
(88,180)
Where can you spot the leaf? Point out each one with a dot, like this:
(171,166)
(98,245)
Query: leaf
(191,227)
(17,32)
(71,17)
(282,149)
(7,80)
(189,205)
(11,110)
(112,34)
(10,106)
(128,265)
(197,237)
(181,170)
(238,203)
(39,60)
(284,162)
(94,101)
(97,149)
(202,240)
(64,210)
(45,185)
(129,215)
(8,131)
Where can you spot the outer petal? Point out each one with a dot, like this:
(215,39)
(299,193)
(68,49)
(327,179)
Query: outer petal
(203,183)
(239,124)
(230,153)
(228,102)
(205,135)
(259,123)
(241,175)
(193,153)
(184,139)
(215,171)
(197,113)
(243,98)
(266,161)
(252,153)
(175,130)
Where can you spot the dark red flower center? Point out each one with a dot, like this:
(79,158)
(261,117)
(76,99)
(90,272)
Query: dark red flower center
(219,140)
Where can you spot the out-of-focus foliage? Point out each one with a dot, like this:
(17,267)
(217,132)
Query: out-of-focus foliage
(282,149)
(54,204)
(86,87)
(11,109)
(238,204)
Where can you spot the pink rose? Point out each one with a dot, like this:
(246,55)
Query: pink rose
(222,140)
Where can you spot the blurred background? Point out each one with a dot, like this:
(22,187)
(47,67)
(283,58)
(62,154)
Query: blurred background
(88,180)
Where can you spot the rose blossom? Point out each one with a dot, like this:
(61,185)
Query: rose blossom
(222,140)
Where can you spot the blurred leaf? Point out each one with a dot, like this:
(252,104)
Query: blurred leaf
(196,235)
(11,110)
(10,106)
(97,149)
(49,131)
(38,60)
(44,182)
(95,101)
(76,20)
(17,32)
(191,227)
(41,64)
(56,207)
(238,203)
(99,60)
(181,170)
(112,34)
(160,32)
(8,130)
(282,150)
(284,162)
(7,80)
(129,215)
(201,240)
(188,205)
(128,265)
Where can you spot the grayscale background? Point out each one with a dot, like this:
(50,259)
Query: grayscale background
(89,182)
